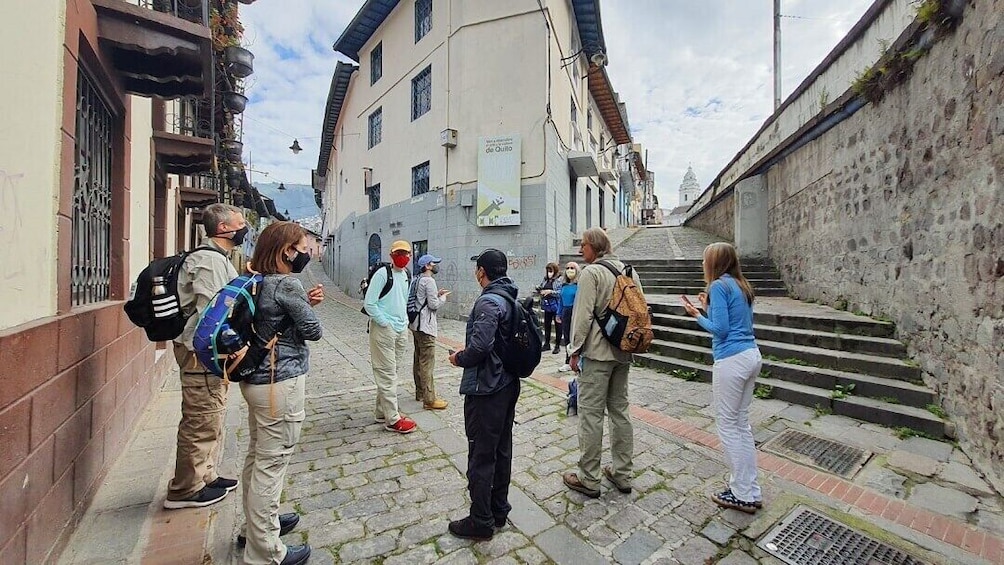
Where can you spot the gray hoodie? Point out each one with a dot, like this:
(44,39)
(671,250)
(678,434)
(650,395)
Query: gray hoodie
(282,300)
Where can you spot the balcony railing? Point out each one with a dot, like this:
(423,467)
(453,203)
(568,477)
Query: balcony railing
(193,118)
(196,11)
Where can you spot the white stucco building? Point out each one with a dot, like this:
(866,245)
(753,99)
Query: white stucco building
(457,118)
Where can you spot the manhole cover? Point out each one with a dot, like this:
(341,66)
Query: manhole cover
(828,455)
(806,537)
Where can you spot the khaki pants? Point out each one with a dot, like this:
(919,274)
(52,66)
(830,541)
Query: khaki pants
(203,406)
(423,365)
(603,387)
(386,351)
(275,420)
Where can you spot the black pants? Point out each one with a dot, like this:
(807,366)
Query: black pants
(548,319)
(488,421)
(566,328)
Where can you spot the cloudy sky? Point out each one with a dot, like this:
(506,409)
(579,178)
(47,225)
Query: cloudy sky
(696,75)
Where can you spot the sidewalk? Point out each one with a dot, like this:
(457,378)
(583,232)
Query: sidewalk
(367,495)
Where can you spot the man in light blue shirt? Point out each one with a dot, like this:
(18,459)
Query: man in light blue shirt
(388,314)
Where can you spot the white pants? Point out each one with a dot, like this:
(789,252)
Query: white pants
(733,380)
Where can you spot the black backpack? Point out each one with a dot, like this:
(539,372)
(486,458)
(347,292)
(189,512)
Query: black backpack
(520,350)
(387,285)
(156,307)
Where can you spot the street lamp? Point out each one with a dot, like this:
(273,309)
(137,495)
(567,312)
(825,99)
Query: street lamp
(295,148)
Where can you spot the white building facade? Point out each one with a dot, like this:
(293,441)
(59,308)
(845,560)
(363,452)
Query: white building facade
(403,152)
(690,189)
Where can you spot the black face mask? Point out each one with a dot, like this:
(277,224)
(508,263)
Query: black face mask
(298,263)
(238,238)
(435,269)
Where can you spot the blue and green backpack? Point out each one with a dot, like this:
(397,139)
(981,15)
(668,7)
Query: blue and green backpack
(225,341)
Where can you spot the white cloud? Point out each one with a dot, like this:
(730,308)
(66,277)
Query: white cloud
(696,76)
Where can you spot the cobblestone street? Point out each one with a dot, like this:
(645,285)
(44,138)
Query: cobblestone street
(370,496)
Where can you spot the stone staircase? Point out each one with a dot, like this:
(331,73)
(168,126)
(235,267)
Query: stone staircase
(818,357)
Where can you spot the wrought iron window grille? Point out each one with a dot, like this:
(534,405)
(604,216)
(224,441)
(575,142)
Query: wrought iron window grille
(423,18)
(420,179)
(90,263)
(375,128)
(421,93)
(374,196)
(376,63)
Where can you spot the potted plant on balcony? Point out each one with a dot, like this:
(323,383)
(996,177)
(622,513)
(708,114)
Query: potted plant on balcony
(227,31)
(234,101)
(231,148)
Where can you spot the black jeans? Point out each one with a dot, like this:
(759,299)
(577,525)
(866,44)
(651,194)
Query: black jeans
(488,421)
(566,327)
(548,319)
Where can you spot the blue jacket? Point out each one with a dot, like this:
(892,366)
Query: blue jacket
(489,319)
(568,291)
(730,319)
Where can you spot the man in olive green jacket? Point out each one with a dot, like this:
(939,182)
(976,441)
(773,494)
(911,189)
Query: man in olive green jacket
(603,378)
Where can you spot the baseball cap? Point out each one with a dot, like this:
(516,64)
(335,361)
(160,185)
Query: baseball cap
(424,260)
(491,258)
(400,245)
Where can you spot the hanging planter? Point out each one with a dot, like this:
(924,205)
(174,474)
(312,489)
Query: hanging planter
(234,102)
(232,148)
(235,174)
(239,61)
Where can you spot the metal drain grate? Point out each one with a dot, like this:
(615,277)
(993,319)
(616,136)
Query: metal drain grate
(828,455)
(806,537)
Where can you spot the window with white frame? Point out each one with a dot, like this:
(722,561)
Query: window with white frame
(376,127)
(423,18)
(421,93)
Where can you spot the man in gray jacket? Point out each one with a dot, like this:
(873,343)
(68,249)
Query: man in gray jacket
(603,382)
(203,395)
(424,329)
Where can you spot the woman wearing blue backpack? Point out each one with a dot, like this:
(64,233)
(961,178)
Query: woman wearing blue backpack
(275,391)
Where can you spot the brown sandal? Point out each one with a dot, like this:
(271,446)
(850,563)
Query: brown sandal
(572,481)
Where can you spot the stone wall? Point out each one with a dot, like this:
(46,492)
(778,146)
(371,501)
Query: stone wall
(718,218)
(74,387)
(898,211)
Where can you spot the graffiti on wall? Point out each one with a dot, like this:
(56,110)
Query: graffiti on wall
(522,262)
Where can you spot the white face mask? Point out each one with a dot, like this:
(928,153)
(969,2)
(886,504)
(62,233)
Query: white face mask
(570,273)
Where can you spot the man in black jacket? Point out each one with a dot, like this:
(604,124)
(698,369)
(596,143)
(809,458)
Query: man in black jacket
(490,395)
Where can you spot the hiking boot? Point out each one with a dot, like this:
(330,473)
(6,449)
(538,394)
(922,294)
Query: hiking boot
(466,528)
(225,484)
(610,477)
(204,497)
(403,426)
(296,555)
(437,404)
(726,499)
(287,522)
(572,481)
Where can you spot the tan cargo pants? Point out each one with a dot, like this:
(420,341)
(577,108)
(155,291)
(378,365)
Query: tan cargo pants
(603,388)
(203,406)
(423,365)
(275,421)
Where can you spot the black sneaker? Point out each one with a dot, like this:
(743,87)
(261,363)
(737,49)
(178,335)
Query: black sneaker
(205,497)
(556,350)
(726,499)
(226,484)
(296,555)
(287,523)
(500,522)
(545,347)
(466,528)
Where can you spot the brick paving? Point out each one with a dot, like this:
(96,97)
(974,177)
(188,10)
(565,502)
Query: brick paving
(370,496)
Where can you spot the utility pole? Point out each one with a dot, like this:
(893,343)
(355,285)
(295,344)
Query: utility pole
(777,54)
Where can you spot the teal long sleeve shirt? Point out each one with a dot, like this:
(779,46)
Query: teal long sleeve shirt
(391,310)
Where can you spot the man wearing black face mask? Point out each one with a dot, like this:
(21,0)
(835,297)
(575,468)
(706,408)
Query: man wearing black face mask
(203,395)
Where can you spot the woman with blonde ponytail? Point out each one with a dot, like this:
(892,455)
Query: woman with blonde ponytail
(728,303)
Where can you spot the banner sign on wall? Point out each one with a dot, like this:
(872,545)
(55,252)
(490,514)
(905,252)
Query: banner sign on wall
(498,180)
